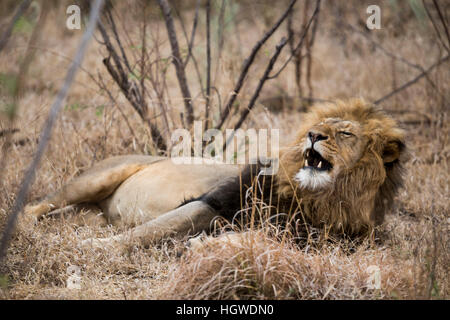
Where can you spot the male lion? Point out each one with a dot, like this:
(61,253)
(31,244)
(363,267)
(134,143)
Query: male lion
(341,173)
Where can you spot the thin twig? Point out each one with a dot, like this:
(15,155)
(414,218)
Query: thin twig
(143,51)
(310,45)
(263,79)
(412,81)
(178,62)
(159,88)
(129,87)
(291,39)
(193,31)
(117,38)
(300,43)
(392,55)
(190,44)
(124,29)
(19,82)
(28,178)
(208,63)
(436,29)
(112,51)
(220,38)
(7,34)
(299,58)
(248,62)
(103,86)
(441,17)
(380,47)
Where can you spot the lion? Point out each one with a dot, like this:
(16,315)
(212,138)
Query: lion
(342,173)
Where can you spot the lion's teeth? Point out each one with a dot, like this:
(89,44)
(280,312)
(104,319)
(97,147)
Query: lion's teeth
(319,165)
(306,163)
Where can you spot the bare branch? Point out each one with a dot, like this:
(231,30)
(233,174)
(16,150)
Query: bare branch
(112,52)
(381,48)
(441,17)
(128,87)
(412,81)
(5,37)
(248,62)
(177,61)
(298,47)
(296,55)
(191,43)
(264,78)
(117,38)
(208,63)
(19,82)
(392,55)
(309,47)
(103,86)
(28,178)
(193,31)
(131,92)
(220,38)
(219,99)
(436,29)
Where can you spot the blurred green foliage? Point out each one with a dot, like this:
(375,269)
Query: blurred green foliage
(99,110)
(7,83)
(75,107)
(418,9)
(23,25)
(4,281)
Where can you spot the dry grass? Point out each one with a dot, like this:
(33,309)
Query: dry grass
(413,256)
(259,267)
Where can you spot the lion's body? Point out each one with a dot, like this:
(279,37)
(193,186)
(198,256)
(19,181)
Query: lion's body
(160,187)
(341,173)
(131,190)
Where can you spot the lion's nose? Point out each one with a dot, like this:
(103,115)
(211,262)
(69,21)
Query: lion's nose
(316,136)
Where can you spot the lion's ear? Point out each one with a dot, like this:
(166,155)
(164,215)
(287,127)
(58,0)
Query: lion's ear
(392,151)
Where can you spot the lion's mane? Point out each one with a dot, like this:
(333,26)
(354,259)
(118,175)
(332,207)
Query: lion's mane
(362,195)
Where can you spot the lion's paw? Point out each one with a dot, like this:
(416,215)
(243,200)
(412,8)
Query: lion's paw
(38,211)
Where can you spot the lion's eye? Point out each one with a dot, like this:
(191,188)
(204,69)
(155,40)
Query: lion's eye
(345,133)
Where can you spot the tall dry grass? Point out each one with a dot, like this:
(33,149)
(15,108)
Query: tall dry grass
(413,256)
(256,266)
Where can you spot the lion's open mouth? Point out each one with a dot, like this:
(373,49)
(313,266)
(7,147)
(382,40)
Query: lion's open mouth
(314,160)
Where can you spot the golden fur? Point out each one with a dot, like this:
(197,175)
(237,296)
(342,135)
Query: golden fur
(364,146)
(361,192)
